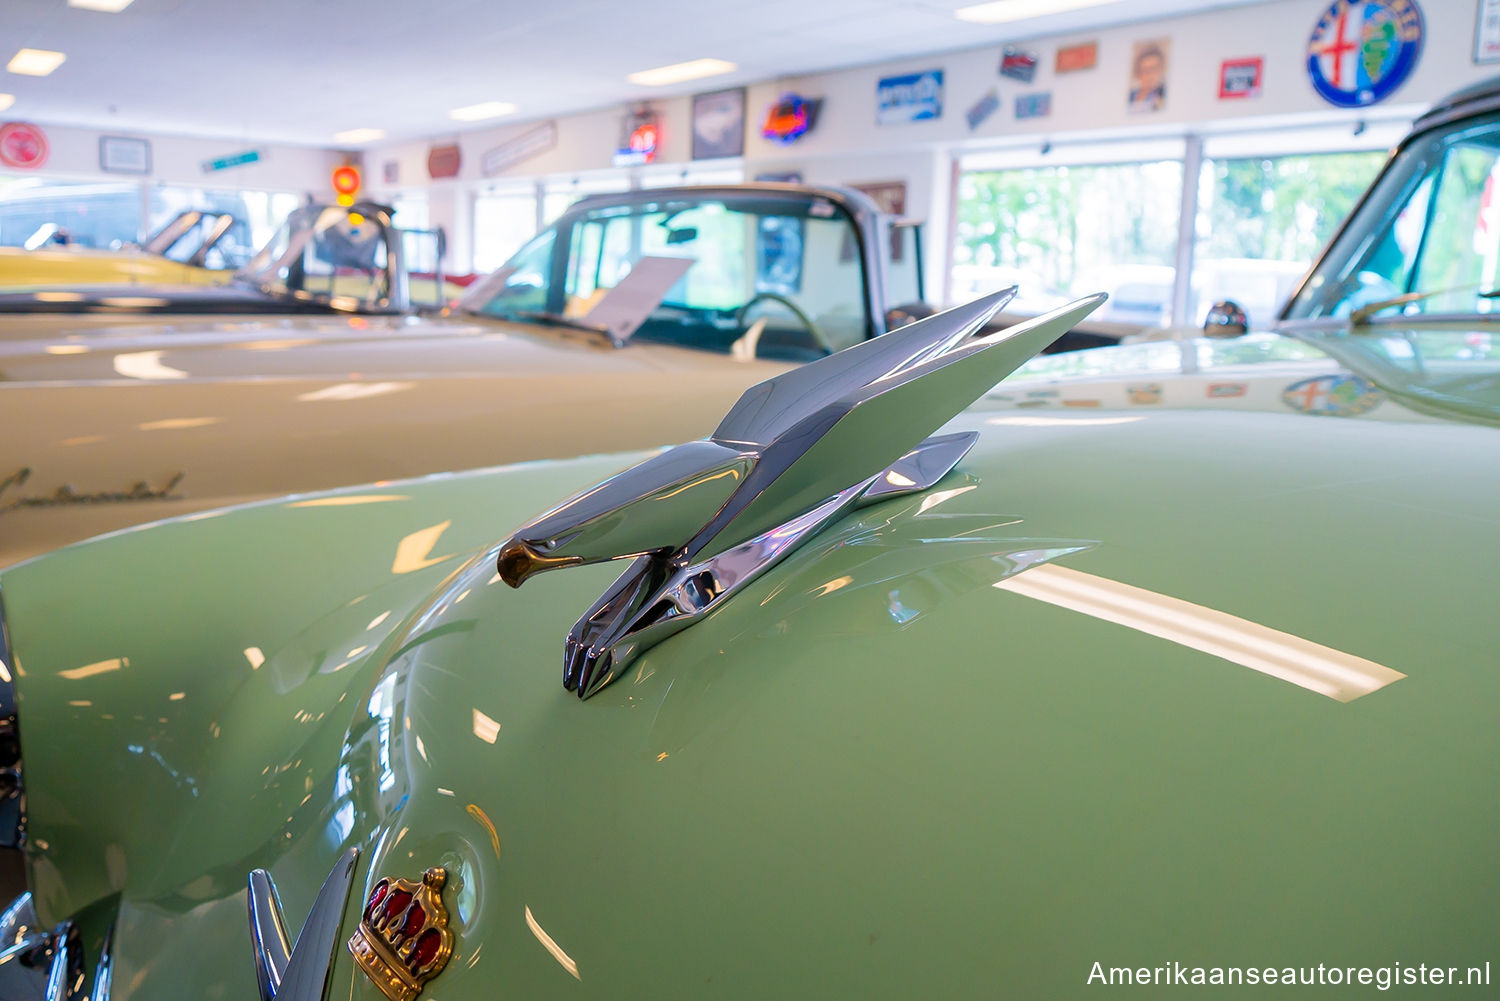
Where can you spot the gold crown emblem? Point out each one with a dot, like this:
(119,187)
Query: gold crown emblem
(403,939)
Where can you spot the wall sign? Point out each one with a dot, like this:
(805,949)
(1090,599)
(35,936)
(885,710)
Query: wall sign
(915,97)
(790,118)
(390,171)
(641,135)
(1487,32)
(1360,51)
(1148,75)
(23,145)
(124,155)
(444,161)
(982,109)
(232,160)
(1240,77)
(345,181)
(1018,64)
(1034,105)
(518,148)
(719,124)
(1072,58)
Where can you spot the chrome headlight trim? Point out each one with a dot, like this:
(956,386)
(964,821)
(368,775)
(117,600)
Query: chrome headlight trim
(12,789)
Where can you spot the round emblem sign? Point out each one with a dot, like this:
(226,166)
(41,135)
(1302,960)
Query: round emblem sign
(22,145)
(1332,396)
(1362,50)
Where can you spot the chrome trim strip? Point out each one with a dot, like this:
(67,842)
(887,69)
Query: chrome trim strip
(301,972)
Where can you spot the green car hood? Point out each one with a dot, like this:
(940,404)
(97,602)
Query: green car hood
(903,763)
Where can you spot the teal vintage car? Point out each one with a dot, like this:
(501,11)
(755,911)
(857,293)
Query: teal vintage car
(1021,704)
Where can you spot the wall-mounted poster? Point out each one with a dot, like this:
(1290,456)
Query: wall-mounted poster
(914,97)
(124,155)
(982,109)
(1360,51)
(518,148)
(22,145)
(1487,32)
(1072,58)
(1018,64)
(719,124)
(1034,105)
(1240,78)
(391,171)
(1148,75)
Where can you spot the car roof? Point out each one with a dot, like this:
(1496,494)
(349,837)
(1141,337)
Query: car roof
(1476,98)
(851,200)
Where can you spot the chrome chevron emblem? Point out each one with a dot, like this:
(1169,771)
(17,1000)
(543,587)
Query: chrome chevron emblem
(300,972)
(702,520)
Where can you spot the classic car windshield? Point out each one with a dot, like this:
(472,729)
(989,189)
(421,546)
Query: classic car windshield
(324,252)
(777,277)
(1427,239)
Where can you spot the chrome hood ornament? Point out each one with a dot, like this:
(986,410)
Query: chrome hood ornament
(702,520)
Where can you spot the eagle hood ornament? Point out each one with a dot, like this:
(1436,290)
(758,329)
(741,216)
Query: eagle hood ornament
(702,520)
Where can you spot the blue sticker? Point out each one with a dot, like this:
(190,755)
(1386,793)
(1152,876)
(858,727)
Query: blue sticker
(915,97)
(1362,50)
(1332,396)
(1034,105)
(983,109)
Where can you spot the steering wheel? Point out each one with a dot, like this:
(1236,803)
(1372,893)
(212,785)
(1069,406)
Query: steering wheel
(813,332)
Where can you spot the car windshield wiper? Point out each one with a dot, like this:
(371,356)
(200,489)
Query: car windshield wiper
(1364,314)
(559,320)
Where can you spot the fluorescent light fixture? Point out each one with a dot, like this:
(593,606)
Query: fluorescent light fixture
(1000,11)
(1340,676)
(483,112)
(356,136)
(104,6)
(697,69)
(35,62)
(6,100)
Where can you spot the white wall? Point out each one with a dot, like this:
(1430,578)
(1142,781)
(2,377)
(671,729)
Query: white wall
(178,160)
(848,147)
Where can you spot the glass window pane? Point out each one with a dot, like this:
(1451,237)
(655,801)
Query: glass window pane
(503,221)
(257,215)
(1065,231)
(86,214)
(1261,220)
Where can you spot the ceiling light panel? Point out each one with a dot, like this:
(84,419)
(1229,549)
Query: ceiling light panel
(35,62)
(1001,11)
(104,6)
(697,69)
(359,135)
(483,112)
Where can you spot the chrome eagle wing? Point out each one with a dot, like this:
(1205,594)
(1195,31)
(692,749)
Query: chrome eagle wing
(702,520)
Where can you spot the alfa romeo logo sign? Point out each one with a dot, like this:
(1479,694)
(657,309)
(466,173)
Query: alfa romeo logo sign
(22,145)
(1362,50)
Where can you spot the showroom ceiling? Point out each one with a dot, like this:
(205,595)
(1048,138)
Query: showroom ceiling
(301,71)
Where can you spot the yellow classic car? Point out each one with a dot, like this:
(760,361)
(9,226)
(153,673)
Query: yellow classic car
(194,248)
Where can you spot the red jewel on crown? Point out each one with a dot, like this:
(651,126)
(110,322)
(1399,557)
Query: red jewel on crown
(403,939)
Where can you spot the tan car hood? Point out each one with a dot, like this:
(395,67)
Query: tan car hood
(114,424)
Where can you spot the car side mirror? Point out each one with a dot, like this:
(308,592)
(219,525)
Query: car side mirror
(1225,319)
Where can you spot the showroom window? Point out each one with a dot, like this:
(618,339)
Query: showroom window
(34,211)
(258,214)
(557,196)
(504,219)
(1061,231)
(1261,219)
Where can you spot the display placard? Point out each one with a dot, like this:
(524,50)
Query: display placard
(124,155)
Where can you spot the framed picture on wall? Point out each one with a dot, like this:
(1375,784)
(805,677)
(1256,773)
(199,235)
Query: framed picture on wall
(124,155)
(719,124)
(1487,32)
